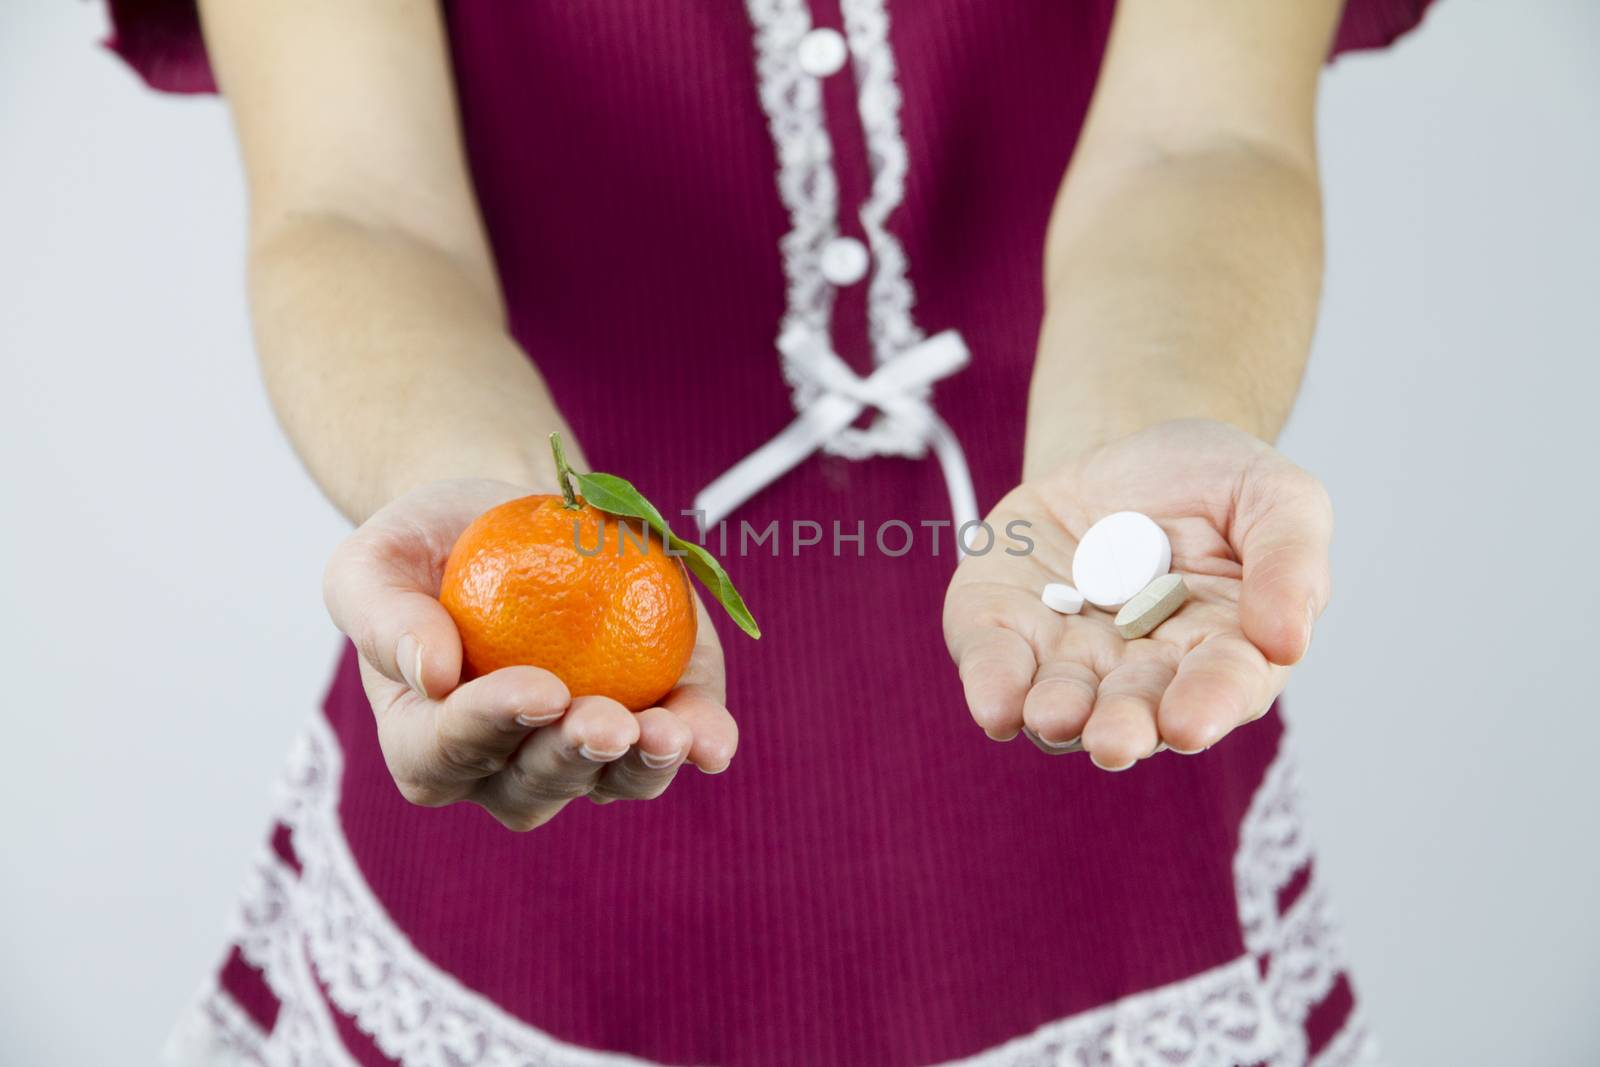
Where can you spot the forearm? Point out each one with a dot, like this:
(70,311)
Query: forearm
(1175,288)
(389,365)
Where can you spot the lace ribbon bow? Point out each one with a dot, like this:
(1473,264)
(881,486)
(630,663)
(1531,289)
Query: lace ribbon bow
(894,388)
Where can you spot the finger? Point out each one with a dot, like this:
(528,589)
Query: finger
(1285,558)
(1222,682)
(437,751)
(480,725)
(699,700)
(714,733)
(398,711)
(559,763)
(706,670)
(1058,705)
(996,667)
(397,626)
(1122,727)
(648,768)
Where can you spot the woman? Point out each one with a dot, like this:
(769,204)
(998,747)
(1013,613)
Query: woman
(476,226)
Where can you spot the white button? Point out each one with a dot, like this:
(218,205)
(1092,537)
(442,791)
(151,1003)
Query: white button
(823,52)
(844,261)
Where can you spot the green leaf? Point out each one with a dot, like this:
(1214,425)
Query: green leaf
(618,497)
(713,577)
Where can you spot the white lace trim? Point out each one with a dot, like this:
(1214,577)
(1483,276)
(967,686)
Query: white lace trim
(324,925)
(215,1032)
(1273,847)
(323,930)
(218,1033)
(809,189)
(807,185)
(890,297)
(1301,945)
(1220,1018)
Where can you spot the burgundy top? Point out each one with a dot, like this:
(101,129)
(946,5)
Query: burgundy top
(872,882)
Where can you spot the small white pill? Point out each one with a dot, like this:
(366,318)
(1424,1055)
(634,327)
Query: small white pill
(1062,598)
(1152,606)
(1118,556)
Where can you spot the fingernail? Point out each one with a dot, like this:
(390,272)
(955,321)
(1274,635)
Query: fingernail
(659,763)
(1112,770)
(408,658)
(1186,751)
(1071,744)
(1311,620)
(538,720)
(1160,748)
(594,755)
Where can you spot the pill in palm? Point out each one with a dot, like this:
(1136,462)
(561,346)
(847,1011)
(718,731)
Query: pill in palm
(1152,606)
(1118,556)
(1058,596)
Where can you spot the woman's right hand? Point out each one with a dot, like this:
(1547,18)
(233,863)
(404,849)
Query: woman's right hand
(514,741)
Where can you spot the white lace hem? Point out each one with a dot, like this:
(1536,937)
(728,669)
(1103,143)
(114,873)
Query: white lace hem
(323,931)
(215,1032)
(1352,1045)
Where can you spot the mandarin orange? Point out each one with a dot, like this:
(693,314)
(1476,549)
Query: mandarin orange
(571,590)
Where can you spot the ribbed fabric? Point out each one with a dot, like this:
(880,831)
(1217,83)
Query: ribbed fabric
(160,39)
(872,882)
(248,989)
(1377,23)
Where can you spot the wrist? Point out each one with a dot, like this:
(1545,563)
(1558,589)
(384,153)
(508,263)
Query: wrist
(524,461)
(1056,444)
(1080,400)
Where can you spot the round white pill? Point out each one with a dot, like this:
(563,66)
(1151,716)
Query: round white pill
(1119,556)
(1062,598)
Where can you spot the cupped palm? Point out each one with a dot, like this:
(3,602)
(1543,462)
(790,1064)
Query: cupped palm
(1249,533)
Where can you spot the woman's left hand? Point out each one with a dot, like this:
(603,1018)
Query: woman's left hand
(1249,532)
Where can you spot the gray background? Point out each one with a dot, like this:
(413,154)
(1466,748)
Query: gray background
(164,635)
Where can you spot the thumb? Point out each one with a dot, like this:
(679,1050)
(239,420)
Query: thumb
(1287,524)
(399,628)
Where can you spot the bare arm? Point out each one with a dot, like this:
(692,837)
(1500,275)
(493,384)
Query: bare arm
(1182,275)
(377,315)
(383,343)
(1185,251)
